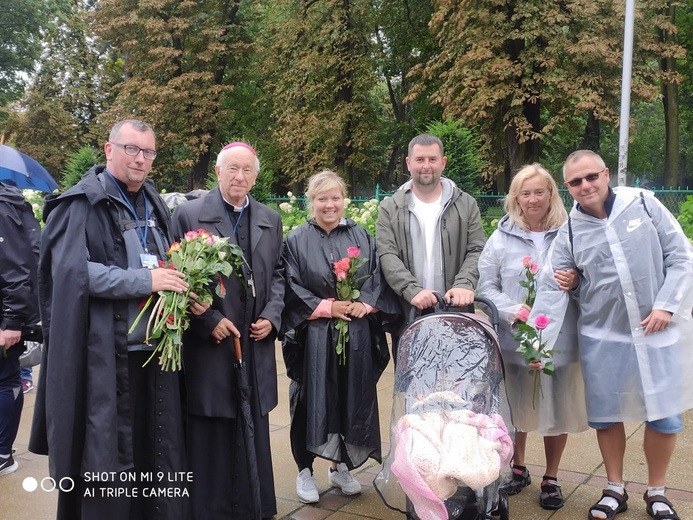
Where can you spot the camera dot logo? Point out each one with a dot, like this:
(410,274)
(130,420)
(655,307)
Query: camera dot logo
(30,484)
(48,484)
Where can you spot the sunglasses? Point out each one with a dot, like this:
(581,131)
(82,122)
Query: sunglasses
(590,177)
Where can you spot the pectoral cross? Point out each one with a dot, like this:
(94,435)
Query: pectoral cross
(251,284)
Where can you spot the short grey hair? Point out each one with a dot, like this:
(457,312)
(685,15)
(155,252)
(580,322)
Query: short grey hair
(138,125)
(579,154)
(425,140)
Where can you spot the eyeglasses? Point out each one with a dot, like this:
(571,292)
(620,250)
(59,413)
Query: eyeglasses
(590,177)
(133,151)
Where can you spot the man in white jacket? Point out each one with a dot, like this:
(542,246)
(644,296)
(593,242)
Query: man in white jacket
(635,296)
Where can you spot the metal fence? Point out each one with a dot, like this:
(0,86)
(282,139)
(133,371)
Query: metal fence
(492,205)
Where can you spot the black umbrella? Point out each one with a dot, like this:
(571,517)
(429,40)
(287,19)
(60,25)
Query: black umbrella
(23,171)
(246,418)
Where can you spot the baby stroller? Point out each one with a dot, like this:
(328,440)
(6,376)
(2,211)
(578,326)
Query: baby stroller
(450,447)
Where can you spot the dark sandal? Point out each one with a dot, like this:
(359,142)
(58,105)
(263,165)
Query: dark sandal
(551,497)
(610,513)
(521,479)
(660,515)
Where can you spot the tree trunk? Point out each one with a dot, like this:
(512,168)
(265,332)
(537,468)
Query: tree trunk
(670,98)
(590,139)
(199,173)
(526,152)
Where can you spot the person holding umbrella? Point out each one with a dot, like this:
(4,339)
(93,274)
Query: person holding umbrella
(222,455)
(333,399)
(24,172)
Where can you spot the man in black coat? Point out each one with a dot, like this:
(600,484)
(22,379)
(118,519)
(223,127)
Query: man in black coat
(251,311)
(19,315)
(101,416)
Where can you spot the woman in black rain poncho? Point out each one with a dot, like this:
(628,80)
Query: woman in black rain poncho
(334,406)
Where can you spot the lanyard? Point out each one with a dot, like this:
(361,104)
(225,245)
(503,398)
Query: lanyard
(142,235)
(248,272)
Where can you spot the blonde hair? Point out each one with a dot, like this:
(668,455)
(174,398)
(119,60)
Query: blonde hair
(321,182)
(555,216)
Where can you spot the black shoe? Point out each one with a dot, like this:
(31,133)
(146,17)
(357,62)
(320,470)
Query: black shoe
(8,466)
(521,479)
(551,497)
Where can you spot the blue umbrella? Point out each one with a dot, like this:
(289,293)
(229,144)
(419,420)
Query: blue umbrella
(24,171)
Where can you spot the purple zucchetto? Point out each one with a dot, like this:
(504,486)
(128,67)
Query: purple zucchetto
(240,143)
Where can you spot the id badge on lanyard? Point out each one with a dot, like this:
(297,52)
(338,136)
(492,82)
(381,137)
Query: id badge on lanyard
(149,261)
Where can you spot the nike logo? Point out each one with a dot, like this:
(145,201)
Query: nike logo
(634,224)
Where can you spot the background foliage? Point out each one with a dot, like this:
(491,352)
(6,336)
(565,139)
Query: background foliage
(345,84)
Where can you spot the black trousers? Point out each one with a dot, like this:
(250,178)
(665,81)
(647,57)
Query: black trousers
(11,396)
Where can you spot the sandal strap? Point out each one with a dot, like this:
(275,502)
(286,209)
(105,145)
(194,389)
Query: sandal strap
(603,508)
(519,474)
(613,494)
(649,500)
(551,489)
(660,515)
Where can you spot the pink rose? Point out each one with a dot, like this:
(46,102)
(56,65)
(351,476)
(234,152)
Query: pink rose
(191,235)
(522,314)
(341,275)
(342,265)
(353,252)
(534,268)
(541,322)
(527,261)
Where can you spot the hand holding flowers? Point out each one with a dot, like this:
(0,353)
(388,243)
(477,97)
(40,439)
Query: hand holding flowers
(201,257)
(347,291)
(535,351)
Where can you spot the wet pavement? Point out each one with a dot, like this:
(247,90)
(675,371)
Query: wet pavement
(582,474)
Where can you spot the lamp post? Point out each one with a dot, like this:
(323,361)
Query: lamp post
(625,91)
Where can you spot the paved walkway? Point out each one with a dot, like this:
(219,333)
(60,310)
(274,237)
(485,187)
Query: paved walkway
(582,475)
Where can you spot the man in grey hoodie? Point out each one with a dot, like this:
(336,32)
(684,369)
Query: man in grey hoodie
(429,234)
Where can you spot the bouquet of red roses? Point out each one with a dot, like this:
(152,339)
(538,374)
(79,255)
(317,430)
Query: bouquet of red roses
(347,290)
(201,257)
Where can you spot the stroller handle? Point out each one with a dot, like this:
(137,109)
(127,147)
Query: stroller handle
(443,305)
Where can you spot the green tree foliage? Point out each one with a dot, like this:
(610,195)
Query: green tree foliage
(686,217)
(684,20)
(403,41)
(342,84)
(646,143)
(180,61)
(80,162)
(60,110)
(466,165)
(504,62)
(21,22)
(319,73)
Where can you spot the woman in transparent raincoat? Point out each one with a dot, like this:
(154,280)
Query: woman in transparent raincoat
(634,297)
(534,214)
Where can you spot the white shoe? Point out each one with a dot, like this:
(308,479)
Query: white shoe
(343,480)
(306,489)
